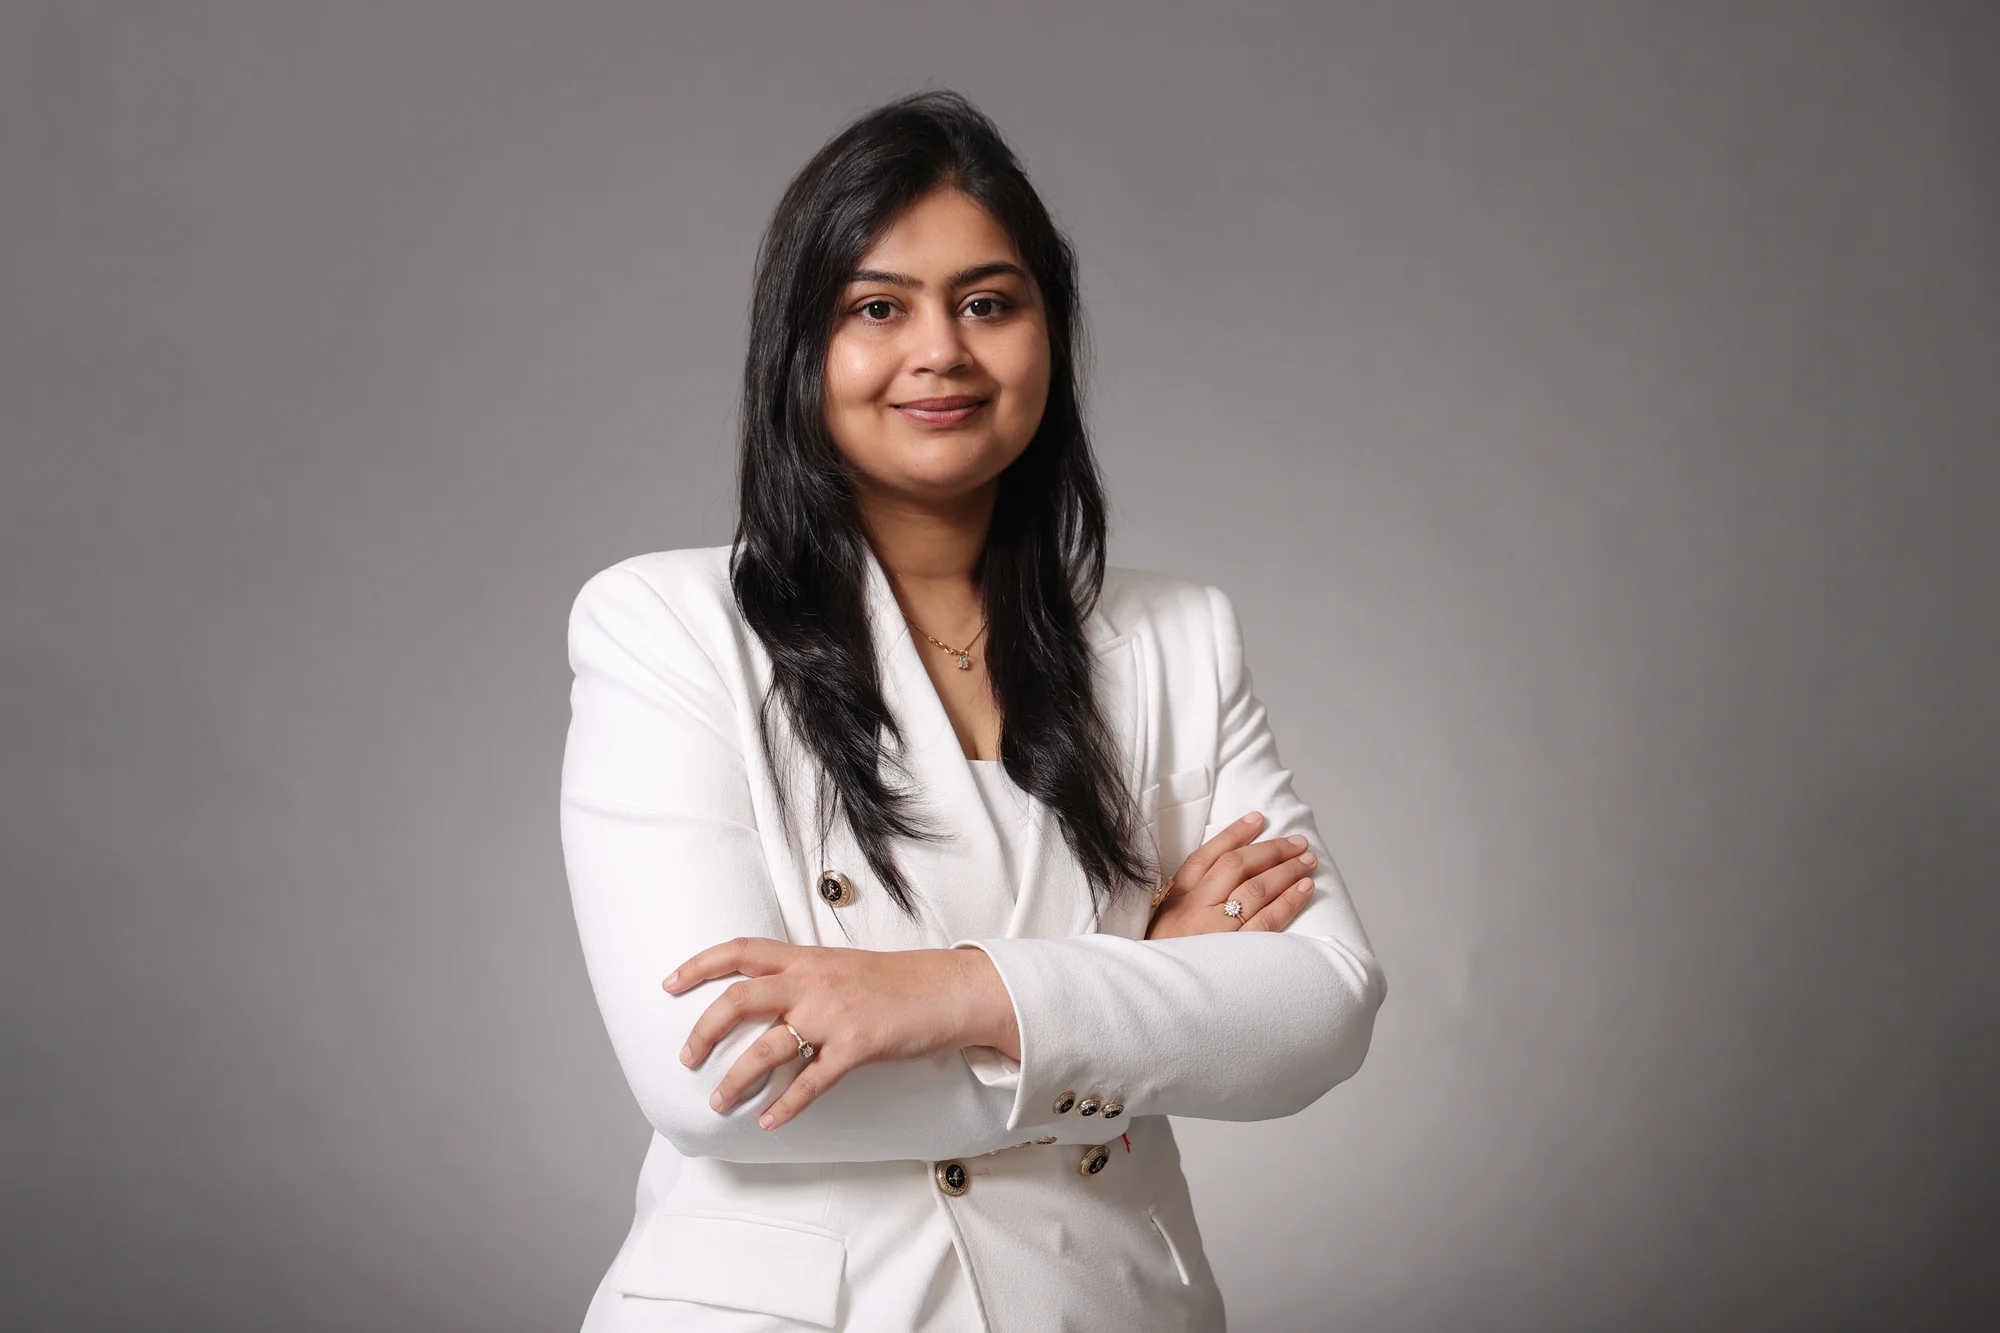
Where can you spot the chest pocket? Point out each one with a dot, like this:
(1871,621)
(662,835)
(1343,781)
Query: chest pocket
(763,1265)
(1176,808)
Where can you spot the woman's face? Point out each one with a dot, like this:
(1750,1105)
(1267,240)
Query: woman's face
(940,307)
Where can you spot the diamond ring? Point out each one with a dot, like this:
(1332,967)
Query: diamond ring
(805,1047)
(1233,908)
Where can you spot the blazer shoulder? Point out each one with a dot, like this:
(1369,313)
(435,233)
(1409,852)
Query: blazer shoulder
(1149,598)
(656,605)
(691,581)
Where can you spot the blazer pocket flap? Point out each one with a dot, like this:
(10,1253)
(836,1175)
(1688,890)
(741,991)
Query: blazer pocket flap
(1190,784)
(766,1266)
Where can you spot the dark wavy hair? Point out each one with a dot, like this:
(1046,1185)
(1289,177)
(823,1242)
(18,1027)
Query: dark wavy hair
(798,560)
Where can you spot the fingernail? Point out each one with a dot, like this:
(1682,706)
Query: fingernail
(1251,818)
(1305,886)
(715,1099)
(1308,860)
(687,1054)
(672,977)
(1297,840)
(766,1119)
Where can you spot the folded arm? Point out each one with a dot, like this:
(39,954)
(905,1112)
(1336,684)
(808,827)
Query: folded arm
(1237,1025)
(664,859)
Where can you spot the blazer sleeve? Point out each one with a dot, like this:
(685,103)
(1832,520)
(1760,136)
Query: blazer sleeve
(1236,1025)
(664,858)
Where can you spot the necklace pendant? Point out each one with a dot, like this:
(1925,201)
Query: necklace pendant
(964,662)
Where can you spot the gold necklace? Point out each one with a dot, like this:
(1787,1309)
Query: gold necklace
(964,655)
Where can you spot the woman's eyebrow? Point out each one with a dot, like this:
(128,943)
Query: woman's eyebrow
(958,279)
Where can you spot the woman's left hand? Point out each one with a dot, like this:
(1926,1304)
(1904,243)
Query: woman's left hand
(856,1007)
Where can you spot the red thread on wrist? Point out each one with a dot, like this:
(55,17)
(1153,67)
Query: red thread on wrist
(1128,1142)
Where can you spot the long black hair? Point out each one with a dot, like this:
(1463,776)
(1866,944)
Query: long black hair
(798,562)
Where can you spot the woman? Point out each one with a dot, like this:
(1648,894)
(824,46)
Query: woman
(879,928)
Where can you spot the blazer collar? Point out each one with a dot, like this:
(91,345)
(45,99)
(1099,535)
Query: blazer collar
(961,881)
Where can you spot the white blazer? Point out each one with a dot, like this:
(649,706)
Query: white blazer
(672,843)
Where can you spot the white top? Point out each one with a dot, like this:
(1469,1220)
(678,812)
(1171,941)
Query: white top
(1008,805)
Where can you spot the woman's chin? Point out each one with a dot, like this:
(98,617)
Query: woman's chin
(953,464)
(938,485)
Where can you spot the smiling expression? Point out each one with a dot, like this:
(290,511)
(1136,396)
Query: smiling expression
(938,369)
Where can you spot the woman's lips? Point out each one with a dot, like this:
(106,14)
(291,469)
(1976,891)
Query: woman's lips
(942,411)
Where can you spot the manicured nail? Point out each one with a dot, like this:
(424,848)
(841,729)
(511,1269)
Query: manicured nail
(1308,860)
(1251,818)
(687,1054)
(1305,886)
(672,977)
(1297,840)
(715,1099)
(766,1119)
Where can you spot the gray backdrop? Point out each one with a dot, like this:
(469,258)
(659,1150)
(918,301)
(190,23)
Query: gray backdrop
(1592,409)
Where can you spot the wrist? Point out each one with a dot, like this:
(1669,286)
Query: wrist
(989,1018)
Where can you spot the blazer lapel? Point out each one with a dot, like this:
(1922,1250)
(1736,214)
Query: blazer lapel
(960,881)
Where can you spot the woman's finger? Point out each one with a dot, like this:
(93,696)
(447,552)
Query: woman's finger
(1282,910)
(761,997)
(750,955)
(821,1072)
(773,1050)
(1232,836)
(1262,888)
(1229,871)
(1252,875)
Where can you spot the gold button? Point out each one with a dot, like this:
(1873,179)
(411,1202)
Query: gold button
(951,1177)
(1094,1160)
(1047,1139)
(834,888)
(1088,1106)
(1064,1101)
(1112,1110)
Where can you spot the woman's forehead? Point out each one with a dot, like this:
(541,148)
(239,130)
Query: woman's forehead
(942,235)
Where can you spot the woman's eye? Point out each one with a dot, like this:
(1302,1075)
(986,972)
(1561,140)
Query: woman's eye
(994,301)
(884,306)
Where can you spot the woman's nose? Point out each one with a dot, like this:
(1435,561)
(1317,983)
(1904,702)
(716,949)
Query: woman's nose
(940,340)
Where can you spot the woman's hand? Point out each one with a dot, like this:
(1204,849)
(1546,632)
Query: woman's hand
(1271,880)
(856,1007)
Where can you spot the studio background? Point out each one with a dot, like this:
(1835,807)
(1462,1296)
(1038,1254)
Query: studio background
(1591,408)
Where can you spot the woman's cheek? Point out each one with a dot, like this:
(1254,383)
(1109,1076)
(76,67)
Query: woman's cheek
(856,372)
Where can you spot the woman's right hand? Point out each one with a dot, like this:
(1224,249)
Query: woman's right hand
(1271,879)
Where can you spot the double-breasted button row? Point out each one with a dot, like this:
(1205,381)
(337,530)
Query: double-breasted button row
(835,889)
(1066,1101)
(953,1179)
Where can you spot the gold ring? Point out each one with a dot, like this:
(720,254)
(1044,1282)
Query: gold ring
(805,1047)
(1162,889)
(1233,908)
